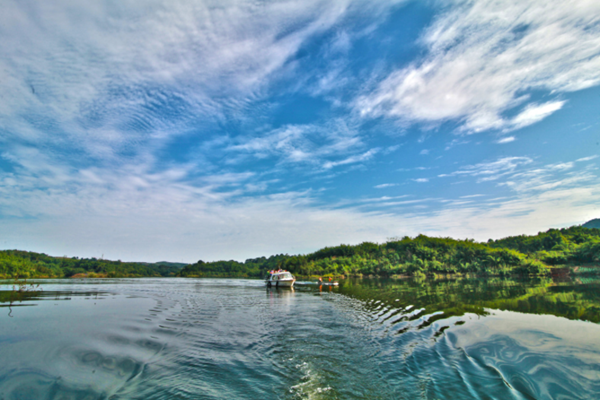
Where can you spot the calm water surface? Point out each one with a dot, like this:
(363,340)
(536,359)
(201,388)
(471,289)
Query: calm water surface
(217,339)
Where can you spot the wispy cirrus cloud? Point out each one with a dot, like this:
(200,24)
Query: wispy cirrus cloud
(101,211)
(493,170)
(91,93)
(522,176)
(551,177)
(367,155)
(106,79)
(484,56)
(317,146)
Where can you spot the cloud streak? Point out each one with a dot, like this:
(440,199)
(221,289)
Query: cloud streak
(493,170)
(482,59)
(507,139)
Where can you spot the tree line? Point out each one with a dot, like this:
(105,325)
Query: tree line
(17,264)
(576,248)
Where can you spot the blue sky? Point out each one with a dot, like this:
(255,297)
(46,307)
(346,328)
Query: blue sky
(208,130)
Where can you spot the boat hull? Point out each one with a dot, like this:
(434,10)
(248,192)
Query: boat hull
(281,283)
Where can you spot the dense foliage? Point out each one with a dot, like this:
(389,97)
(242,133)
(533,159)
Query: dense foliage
(24,264)
(576,249)
(251,268)
(423,255)
(569,246)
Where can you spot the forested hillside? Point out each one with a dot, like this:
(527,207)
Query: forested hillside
(422,255)
(595,223)
(575,249)
(24,264)
(570,246)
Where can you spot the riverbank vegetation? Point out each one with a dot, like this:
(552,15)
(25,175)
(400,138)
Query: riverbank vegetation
(568,250)
(16,264)
(556,251)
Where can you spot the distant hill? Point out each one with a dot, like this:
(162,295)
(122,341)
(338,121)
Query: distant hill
(28,264)
(170,264)
(595,223)
(165,268)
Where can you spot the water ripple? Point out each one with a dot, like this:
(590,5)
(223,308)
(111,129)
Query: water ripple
(213,339)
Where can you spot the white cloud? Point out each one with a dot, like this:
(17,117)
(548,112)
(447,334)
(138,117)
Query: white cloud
(590,158)
(424,152)
(561,166)
(385,185)
(352,160)
(534,113)
(421,180)
(483,55)
(391,149)
(289,141)
(506,139)
(414,169)
(411,203)
(372,200)
(455,142)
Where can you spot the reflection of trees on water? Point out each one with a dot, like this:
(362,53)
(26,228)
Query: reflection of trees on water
(30,295)
(21,290)
(573,300)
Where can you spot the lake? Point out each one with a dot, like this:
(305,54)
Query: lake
(368,339)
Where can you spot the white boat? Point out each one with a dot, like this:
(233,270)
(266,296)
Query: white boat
(280,278)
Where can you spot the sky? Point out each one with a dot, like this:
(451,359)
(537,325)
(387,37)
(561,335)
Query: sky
(185,130)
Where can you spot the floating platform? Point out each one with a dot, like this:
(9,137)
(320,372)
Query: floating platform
(316,283)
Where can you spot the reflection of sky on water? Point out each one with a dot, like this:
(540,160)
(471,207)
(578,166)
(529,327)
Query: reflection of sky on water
(280,299)
(219,338)
(540,355)
(74,344)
